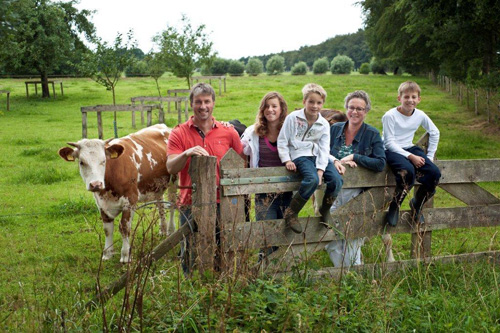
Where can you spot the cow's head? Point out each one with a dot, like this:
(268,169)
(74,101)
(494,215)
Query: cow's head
(92,155)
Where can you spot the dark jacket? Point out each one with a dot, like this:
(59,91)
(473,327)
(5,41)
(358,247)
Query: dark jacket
(367,146)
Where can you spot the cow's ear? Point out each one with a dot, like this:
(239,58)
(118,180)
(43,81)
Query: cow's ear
(67,154)
(114,151)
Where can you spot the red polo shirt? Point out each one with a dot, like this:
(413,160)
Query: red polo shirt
(217,142)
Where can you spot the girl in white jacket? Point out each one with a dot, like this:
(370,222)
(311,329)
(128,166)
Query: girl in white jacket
(260,143)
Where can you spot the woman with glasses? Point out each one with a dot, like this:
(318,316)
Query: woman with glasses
(355,143)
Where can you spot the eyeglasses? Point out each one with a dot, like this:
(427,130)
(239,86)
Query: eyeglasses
(357,109)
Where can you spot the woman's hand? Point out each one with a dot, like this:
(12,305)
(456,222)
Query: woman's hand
(349,160)
(340,168)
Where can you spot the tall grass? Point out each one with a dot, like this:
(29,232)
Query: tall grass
(51,232)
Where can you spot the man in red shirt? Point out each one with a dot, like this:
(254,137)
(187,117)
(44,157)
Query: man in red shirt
(201,135)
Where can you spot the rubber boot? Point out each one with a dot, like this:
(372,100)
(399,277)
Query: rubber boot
(292,213)
(328,201)
(417,203)
(392,216)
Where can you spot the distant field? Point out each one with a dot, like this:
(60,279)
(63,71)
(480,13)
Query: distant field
(51,233)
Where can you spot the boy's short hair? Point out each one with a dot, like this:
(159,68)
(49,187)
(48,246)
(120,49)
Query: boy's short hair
(408,86)
(201,89)
(311,88)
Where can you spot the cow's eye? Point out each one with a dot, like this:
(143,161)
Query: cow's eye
(81,163)
(103,162)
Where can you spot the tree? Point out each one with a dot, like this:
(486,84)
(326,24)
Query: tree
(42,36)
(364,68)
(155,68)
(320,66)
(275,65)
(184,51)
(219,66)
(342,64)
(107,63)
(299,68)
(236,68)
(254,67)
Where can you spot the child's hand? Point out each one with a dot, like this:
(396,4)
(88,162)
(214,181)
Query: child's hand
(320,177)
(340,168)
(417,161)
(290,166)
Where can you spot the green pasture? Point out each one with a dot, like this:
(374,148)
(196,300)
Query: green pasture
(52,237)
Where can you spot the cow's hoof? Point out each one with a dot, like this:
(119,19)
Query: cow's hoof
(107,255)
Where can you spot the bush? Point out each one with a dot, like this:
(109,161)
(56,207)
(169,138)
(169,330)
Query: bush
(377,67)
(254,67)
(299,68)
(275,65)
(139,68)
(365,68)
(342,64)
(236,68)
(219,66)
(320,66)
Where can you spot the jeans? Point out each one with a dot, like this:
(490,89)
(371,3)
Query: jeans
(406,173)
(271,206)
(306,165)
(345,252)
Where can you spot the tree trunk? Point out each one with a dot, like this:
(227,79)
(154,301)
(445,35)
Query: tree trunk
(189,81)
(45,85)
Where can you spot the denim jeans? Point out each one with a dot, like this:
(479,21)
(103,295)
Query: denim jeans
(306,165)
(271,206)
(406,173)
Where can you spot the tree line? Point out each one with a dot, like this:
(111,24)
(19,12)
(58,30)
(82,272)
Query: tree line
(458,39)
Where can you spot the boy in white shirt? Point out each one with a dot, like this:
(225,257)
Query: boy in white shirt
(407,161)
(304,145)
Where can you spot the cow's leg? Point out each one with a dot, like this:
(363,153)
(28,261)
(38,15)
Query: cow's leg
(108,224)
(125,224)
(387,240)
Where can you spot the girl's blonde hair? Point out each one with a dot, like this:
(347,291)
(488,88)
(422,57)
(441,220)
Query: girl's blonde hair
(261,128)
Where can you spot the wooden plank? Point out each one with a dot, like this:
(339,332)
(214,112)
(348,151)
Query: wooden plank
(116,108)
(471,194)
(99,125)
(453,172)
(204,209)
(383,269)
(84,124)
(232,209)
(362,224)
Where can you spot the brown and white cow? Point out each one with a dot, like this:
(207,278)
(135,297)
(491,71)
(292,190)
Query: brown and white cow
(122,172)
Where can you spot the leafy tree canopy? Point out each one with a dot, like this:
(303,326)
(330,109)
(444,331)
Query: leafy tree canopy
(185,50)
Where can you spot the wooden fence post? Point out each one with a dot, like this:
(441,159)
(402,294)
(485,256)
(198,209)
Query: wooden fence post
(84,124)
(476,107)
(99,125)
(232,211)
(421,239)
(202,171)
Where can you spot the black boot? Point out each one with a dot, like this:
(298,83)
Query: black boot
(417,203)
(328,201)
(292,212)
(392,216)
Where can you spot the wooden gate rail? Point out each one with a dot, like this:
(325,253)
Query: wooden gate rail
(99,109)
(159,102)
(361,217)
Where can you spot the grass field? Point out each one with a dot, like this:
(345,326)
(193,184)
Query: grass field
(52,236)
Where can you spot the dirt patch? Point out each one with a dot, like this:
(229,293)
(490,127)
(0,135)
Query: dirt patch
(486,128)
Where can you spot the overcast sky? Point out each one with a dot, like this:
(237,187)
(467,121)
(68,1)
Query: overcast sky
(237,28)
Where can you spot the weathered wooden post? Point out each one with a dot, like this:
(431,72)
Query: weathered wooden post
(232,212)
(421,239)
(202,171)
